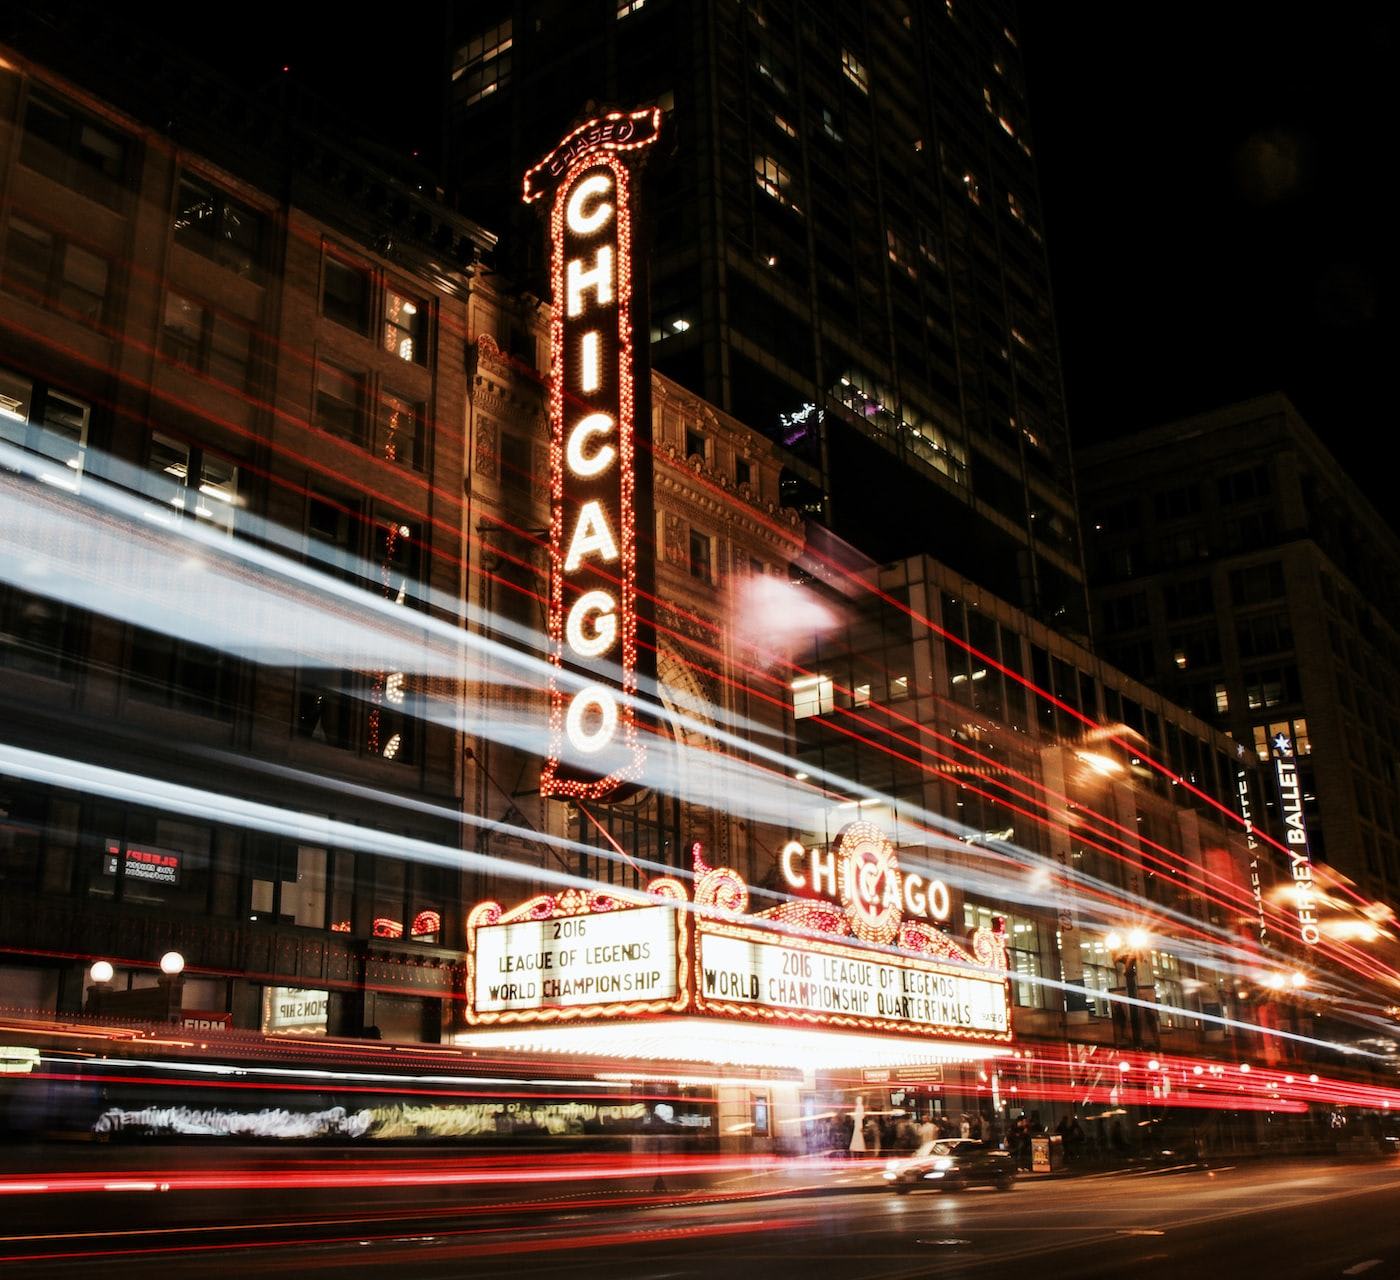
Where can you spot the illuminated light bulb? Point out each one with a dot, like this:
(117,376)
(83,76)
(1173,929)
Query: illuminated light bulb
(393,689)
(603,634)
(102,971)
(1137,938)
(1114,941)
(172,963)
(391,748)
(1275,980)
(1153,1064)
(1299,979)
(1196,1071)
(1244,1068)
(591,534)
(585,222)
(598,277)
(600,698)
(1312,1079)
(1287,1079)
(588,465)
(588,359)
(1123,1066)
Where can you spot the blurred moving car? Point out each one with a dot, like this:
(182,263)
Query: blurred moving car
(950,1164)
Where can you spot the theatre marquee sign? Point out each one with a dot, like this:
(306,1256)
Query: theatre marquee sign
(579,955)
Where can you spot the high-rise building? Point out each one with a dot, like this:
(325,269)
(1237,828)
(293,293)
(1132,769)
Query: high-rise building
(1239,570)
(847,250)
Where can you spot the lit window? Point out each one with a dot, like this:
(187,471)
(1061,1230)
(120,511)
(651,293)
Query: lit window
(1222,698)
(974,192)
(829,125)
(482,65)
(855,70)
(626,8)
(775,180)
(860,695)
(812,696)
(218,227)
(398,432)
(50,424)
(899,687)
(404,327)
(784,125)
(189,481)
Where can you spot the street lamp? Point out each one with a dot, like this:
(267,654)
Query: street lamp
(172,964)
(101,971)
(1127,950)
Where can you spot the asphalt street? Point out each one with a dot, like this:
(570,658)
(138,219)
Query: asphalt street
(1304,1219)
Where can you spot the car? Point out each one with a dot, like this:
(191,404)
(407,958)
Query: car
(949,1164)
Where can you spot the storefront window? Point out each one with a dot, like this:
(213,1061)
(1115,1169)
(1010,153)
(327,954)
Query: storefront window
(288,884)
(158,862)
(1023,948)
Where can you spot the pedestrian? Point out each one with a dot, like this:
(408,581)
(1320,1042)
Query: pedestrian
(857,1122)
(1074,1140)
(965,1128)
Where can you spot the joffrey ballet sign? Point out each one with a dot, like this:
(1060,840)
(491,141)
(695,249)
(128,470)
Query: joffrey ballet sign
(600,465)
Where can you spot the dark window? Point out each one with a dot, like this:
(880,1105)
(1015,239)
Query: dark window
(75,150)
(340,401)
(1261,636)
(1188,599)
(520,345)
(345,296)
(37,634)
(369,711)
(46,269)
(1124,613)
(1258,583)
(516,474)
(700,556)
(218,227)
(201,338)
(694,444)
(742,472)
(175,673)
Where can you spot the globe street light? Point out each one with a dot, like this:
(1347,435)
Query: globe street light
(101,971)
(172,964)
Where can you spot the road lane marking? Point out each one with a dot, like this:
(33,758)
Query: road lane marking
(1362,1266)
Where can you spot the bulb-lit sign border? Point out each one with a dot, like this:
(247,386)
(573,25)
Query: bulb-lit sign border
(575,904)
(720,909)
(599,466)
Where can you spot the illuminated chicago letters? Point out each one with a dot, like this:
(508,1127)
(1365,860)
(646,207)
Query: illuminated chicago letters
(599,408)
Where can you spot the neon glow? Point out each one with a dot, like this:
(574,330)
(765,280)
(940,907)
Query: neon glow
(595,436)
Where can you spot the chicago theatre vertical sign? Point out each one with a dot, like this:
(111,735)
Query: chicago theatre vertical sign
(600,456)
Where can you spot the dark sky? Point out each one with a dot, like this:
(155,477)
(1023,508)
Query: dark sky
(1212,177)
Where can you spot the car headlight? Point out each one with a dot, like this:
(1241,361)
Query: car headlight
(892,1166)
(943,1163)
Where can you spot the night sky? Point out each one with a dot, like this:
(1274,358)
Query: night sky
(1212,178)
(1211,175)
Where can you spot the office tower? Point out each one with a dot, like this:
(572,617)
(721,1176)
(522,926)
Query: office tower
(1239,570)
(847,250)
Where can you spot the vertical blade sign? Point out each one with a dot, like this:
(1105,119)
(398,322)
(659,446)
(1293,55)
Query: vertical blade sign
(600,428)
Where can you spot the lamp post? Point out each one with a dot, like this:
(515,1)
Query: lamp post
(1126,950)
